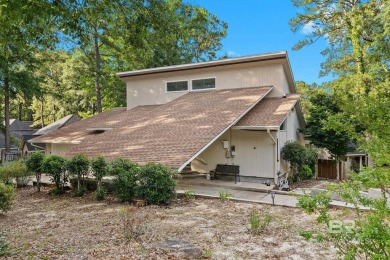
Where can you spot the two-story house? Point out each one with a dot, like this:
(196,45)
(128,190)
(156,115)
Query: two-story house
(233,111)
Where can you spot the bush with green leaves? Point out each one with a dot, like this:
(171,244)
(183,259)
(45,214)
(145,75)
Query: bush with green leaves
(34,163)
(3,245)
(302,160)
(15,170)
(78,166)
(7,194)
(100,169)
(126,176)
(369,236)
(56,166)
(259,221)
(156,184)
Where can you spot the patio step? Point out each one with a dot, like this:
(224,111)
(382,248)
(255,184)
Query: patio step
(192,175)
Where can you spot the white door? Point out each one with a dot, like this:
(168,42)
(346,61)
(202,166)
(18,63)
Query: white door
(255,153)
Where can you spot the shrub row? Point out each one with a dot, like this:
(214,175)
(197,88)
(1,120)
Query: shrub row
(152,182)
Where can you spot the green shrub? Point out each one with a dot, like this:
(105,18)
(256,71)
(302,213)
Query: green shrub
(7,193)
(100,169)
(78,166)
(15,170)
(100,193)
(56,166)
(156,185)
(259,222)
(3,245)
(189,195)
(224,195)
(126,177)
(34,163)
(302,160)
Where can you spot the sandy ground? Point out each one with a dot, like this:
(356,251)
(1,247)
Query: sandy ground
(43,226)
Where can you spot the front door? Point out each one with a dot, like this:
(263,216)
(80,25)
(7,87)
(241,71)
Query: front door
(255,153)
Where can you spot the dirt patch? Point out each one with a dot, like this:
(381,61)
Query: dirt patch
(43,226)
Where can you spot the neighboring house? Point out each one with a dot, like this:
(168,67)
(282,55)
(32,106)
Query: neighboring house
(233,111)
(28,147)
(17,129)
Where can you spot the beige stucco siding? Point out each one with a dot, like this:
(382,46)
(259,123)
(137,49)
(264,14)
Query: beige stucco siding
(57,149)
(255,153)
(151,89)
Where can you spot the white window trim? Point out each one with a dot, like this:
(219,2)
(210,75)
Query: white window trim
(177,91)
(205,89)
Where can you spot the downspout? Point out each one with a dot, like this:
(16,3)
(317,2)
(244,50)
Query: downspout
(275,151)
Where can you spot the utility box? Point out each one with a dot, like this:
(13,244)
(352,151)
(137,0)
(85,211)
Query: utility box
(225,144)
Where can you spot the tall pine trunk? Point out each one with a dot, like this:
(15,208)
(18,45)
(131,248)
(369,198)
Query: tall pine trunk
(7,115)
(97,72)
(42,111)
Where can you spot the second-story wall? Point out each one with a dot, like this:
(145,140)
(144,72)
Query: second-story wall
(151,89)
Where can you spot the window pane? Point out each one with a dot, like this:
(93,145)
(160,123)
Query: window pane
(203,83)
(283,125)
(177,86)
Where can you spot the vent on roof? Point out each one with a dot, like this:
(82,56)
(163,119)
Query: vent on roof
(98,130)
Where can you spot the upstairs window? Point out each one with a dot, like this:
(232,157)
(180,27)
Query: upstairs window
(198,84)
(283,125)
(177,86)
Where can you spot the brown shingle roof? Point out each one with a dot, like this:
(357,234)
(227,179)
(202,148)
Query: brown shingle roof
(174,132)
(76,132)
(269,112)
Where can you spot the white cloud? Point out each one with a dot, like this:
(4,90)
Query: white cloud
(232,54)
(308,28)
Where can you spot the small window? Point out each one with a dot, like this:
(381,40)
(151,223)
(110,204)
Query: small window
(203,83)
(177,86)
(283,125)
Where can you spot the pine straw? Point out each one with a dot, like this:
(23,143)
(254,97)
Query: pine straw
(64,227)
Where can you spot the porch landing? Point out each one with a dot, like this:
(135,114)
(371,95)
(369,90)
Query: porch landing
(245,186)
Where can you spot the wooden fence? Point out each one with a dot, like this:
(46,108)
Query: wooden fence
(327,169)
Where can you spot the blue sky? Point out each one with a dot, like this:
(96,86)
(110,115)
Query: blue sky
(260,26)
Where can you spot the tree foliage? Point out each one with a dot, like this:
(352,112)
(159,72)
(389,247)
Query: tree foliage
(34,163)
(358,54)
(69,51)
(357,33)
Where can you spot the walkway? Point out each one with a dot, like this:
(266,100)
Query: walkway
(286,199)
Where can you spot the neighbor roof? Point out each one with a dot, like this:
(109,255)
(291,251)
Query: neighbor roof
(270,112)
(173,133)
(67,120)
(30,147)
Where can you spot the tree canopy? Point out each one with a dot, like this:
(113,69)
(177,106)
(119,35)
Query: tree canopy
(60,57)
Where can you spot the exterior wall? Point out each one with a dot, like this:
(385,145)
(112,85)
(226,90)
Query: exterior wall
(57,149)
(151,89)
(255,153)
(290,134)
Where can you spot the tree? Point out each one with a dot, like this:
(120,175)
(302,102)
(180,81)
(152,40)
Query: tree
(34,163)
(26,27)
(357,33)
(125,35)
(56,166)
(78,166)
(319,130)
(100,169)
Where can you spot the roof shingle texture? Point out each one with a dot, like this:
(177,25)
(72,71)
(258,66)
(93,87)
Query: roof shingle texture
(174,132)
(77,132)
(269,112)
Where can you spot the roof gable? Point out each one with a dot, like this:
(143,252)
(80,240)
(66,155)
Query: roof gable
(270,112)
